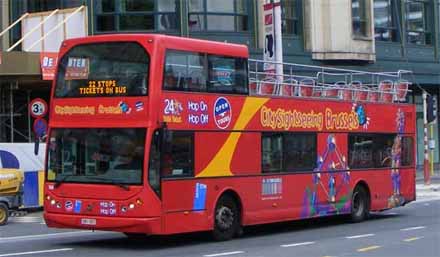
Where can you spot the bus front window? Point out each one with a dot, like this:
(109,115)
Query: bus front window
(103,69)
(102,155)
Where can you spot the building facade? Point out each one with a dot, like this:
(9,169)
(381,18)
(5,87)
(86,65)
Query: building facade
(370,35)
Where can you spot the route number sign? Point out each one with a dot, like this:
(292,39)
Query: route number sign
(38,108)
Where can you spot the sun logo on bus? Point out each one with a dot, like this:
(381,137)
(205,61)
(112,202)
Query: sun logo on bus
(363,119)
(222,113)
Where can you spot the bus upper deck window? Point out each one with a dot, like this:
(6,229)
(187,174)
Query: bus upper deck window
(184,71)
(227,74)
(103,69)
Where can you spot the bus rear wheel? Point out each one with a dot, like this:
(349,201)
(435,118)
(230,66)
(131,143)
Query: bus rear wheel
(4,214)
(226,219)
(359,204)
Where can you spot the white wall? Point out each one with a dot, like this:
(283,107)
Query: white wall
(24,152)
(328,31)
(76,26)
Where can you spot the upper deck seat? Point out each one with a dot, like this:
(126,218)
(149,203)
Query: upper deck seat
(360,92)
(268,87)
(306,87)
(288,87)
(401,90)
(253,87)
(317,91)
(386,91)
(373,94)
(335,90)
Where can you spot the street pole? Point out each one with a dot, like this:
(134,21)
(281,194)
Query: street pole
(426,173)
(431,148)
(278,40)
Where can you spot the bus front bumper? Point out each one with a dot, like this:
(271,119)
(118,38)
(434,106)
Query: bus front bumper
(150,225)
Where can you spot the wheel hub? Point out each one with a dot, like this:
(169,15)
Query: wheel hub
(357,203)
(225,218)
(2,215)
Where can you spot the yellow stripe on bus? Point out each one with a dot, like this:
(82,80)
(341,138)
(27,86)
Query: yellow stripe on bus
(220,165)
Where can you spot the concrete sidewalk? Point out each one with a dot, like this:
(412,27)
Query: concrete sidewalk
(428,191)
(431,190)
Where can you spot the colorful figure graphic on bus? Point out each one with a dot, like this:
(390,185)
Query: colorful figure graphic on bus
(363,119)
(396,199)
(125,108)
(400,121)
(328,169)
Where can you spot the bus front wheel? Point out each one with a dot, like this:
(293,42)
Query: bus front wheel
(359,204)
(4,214)
(226,219)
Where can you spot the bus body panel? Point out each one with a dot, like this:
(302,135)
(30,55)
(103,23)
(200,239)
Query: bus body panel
(106,112)
(228,133)
(252,113)
(126,225)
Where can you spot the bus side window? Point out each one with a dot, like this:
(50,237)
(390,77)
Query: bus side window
(227,75)
(360,151)
(271,152)
(407,151)
(184,71)
(178,154)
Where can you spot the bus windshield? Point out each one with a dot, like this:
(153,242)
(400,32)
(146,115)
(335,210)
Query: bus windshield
(103,69)
(98,155)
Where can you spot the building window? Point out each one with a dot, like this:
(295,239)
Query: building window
(417,28)
(288,152)
(218,15)
(289,17)
(50,5)
(359,18)
(384,26)
(136,15)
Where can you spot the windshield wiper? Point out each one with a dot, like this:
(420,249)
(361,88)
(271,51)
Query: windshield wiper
(112,181)
(58,182)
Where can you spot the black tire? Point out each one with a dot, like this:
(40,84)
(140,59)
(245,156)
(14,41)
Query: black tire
(226,219)
(4,214)
(360,206)
(135,236)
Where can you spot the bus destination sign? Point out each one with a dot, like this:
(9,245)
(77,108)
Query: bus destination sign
(102,87)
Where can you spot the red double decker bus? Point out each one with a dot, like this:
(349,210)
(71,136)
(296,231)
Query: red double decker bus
(153,134)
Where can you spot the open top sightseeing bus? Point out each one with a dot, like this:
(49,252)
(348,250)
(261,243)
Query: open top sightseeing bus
(153,134)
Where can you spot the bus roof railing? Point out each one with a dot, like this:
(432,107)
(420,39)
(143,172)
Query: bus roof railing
(308,81)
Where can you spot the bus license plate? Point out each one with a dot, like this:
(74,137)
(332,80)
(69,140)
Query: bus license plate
(88,222)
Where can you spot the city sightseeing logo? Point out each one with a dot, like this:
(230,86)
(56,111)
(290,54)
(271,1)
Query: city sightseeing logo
(222,113)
